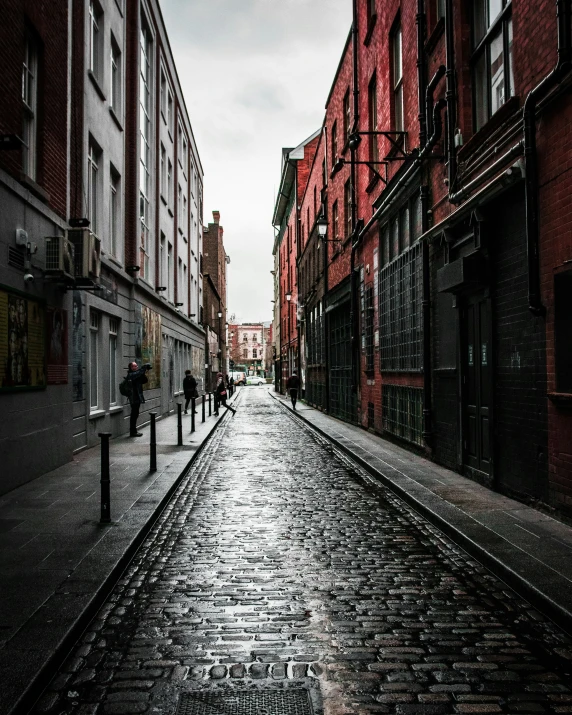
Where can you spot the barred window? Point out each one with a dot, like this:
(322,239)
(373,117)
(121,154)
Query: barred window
(402,412)
(400,291)
(369,325)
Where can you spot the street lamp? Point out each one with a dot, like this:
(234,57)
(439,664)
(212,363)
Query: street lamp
(288,296)
(219,314)
(322,225)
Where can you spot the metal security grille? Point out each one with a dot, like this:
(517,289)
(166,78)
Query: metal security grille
(403,412)
(293,701)
(315,339)
(315,371)
(368,332)
(400,312)
(343,402)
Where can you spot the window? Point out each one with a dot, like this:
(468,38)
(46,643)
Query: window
(30,102)
(170,111)
(563,330)
(440,9)
(93,160)
(334,142)
(93,360)
(146,57)
(255,337)
(245,354)
(335,221)
(95,38)
(370,11)
(493,78)
(163,97)
(170,274)
(185,155)
(347,116)
(245,338)
(169,184)
(185,219)
(372,118)
(180,143)
(113,331)
(397,61)
(114,212)
(348,208)
(115,78)
(163,279)
(254,353)
(163,172)
(180,206)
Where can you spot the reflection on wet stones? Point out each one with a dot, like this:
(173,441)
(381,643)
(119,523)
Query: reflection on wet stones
(275,562)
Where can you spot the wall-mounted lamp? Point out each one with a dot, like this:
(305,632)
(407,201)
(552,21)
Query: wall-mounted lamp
(288,296)
(322,225)
(160,288)
(132,269)
(219,314)
(178,305)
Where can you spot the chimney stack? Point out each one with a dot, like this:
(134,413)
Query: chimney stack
(216,216)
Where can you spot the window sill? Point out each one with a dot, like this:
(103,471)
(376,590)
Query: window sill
(561,399)
(116,118)
(369,33)
(180,230)
(35,188)
(96,414)
(435,36)
(171,212)
(96,84)
(503,113)
(115,409)
(119,7)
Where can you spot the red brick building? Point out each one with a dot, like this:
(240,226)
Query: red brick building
(438,312)
(213,319)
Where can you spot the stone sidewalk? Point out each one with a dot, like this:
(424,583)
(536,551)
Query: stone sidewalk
(526,548)
(58,562)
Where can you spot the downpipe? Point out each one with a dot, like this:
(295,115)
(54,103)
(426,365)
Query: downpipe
(353,150)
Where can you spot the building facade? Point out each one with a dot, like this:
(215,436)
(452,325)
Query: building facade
(440,181)
(214,319)
(251,346)
(104,211)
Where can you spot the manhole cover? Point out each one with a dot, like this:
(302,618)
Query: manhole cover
(294,701)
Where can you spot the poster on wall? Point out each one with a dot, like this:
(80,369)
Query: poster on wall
(148,343)
(57,344)
(22,342)
(77,348)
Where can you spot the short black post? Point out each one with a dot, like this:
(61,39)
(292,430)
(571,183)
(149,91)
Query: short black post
(105,481)
(153,461)
(210,408)
(193,405)
(179,424)
(203,415)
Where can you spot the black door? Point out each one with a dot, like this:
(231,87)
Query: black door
(477,383)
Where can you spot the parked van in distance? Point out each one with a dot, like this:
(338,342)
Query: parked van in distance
(239,377)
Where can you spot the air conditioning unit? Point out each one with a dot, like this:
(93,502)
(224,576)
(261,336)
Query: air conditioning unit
(59,256)
(87,253)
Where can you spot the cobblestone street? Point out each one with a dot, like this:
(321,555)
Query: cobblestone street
(279,563)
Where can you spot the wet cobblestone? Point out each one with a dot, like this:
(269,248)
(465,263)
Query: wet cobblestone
(278,561)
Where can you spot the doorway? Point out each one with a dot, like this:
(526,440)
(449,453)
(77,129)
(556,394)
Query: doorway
(476,375)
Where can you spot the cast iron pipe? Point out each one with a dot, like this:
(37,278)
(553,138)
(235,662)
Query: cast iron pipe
(426,302)
(450,94)
(531,189)
(353,151)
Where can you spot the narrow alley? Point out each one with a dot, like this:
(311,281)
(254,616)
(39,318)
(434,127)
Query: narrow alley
(278,568)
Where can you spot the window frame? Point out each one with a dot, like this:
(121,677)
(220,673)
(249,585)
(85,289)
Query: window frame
(94,349)
(501,25)
(346,108)
(115,77)
(398,106)
(30,67)
(95,44)
(114,212)
(145,162)
(347,209)
(372,118)
(113,359)
(94,160)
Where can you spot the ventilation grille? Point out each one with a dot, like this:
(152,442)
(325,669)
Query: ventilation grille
(15,258)
(294,701)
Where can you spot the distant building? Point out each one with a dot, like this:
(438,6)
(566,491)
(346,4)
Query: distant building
(251,345)
(215,261)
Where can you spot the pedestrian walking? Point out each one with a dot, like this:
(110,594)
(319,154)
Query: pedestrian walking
(190,389)
(135,379)
(220,395)
(293,384)
(231,386)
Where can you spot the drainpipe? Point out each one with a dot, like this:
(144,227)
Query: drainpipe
(420,21)
(450,94)
(531,189)
(353,173)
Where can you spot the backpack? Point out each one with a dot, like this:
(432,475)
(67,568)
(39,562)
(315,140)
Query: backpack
(126,387)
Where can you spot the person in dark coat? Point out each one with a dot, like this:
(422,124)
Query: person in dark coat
(137,376)
(293,384)
(220,395)
(190,389)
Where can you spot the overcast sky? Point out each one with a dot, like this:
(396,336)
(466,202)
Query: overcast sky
(256,75)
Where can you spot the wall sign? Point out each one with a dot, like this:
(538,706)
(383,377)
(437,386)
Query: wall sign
(22,342)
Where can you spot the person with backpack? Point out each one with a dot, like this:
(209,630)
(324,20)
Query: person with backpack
(132,388)
(220,395)
(190,389)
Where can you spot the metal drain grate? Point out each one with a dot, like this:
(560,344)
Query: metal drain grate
(294,701)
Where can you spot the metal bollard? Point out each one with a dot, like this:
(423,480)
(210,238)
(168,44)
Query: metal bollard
(105,481)
(153,460)
(203,415)
(210,410)
(193,403)
(179,424)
